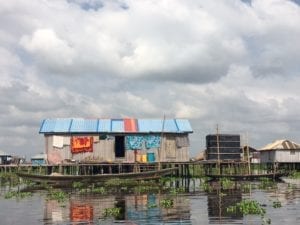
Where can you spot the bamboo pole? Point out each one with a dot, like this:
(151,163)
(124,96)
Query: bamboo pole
(218,149)
(161,141)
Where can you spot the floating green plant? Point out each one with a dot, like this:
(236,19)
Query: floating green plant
(226,183)
(151,206)
(77,185)
(167,203)
(58,195)
(100,190)
(247,207)
(16,194)
(266,183)
(146,189)
(277,204)
(294,175)
(206,186)
(176,191)
(246,187)
(112,212)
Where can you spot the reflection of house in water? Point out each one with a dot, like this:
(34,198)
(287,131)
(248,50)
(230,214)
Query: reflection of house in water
(218,203)
(80,208)
(146,207)
(54,212)
(88,208)
(81,212)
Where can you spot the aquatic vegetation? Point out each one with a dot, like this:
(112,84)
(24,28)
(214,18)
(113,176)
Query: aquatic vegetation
(277,204)
(176,191)
(246,187)
(294,175)
(250,207)
(111,212)
(77,185)
(17,194)
(205,186)
(266,183)
(150,206)
(58,195)
(247,207)
(167,203)
(226,183)
(100,190)
(146,189)
(10,179)
(120,182)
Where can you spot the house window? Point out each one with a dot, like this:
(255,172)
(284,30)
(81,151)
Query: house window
(293,152)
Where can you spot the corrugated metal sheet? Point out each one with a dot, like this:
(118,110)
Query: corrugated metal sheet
(282,145)
(150,125)
(84,125)
(130,125)
(104,125)
(184,125)
(117,125)
(80,125)
(56,125)
(170,126)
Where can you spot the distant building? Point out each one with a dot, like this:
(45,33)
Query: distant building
(39,159)
(282,151)
(223,147)
(5,158)
(116,140)
(254,154)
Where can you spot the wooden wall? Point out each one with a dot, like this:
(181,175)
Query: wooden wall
(103,151)
(284,156)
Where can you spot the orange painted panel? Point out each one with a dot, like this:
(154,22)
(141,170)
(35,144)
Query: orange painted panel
(130,125)
(81,144)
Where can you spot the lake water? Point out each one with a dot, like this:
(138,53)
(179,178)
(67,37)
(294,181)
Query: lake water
(195,204)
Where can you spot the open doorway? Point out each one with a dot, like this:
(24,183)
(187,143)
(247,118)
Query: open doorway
(119,147)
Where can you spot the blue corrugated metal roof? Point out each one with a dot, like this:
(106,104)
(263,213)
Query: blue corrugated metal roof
(170,126)
(77,125)
(56,125)
(117,125)
(150,125)
(104,125)
(84,125)
(184,125)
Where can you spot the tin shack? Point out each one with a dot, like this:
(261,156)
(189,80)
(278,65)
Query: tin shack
(116,140)
(5,158)
(280,151)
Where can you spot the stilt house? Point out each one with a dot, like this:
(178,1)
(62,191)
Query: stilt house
(281,151)
(5,158)
(116,140)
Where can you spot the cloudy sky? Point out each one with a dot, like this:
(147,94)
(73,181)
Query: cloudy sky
(234,63)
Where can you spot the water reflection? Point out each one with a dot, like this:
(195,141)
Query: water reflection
(89,209)
(217,203)
(192,206)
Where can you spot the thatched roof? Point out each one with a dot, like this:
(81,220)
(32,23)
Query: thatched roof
(281,145)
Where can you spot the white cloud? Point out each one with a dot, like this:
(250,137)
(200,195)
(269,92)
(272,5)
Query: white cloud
(47,48)
(226,62)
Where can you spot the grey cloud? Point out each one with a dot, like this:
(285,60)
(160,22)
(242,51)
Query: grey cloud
(230,63)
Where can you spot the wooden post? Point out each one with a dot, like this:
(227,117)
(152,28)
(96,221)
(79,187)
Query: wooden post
(218,149)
